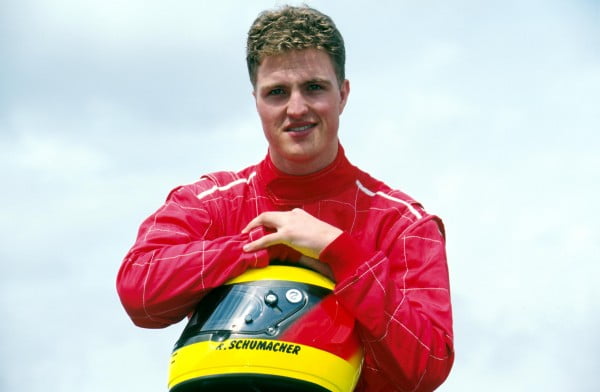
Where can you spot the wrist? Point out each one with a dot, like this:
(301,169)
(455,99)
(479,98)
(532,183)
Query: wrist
(344,254)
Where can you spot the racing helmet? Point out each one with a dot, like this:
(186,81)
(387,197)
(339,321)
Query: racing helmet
(269,329)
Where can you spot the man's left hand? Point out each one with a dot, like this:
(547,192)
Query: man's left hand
(296,228)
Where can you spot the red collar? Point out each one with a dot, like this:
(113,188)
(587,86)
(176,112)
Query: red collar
(286,189)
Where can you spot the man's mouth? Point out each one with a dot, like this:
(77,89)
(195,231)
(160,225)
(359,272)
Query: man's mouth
(301,128)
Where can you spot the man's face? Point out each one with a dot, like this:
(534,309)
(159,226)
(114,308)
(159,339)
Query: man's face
(299,102)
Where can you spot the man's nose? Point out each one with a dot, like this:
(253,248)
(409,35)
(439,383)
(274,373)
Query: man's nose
(297,105)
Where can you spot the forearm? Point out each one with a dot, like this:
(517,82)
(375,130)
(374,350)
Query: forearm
(182,250)
(400,298)
(160,286)
(407,338)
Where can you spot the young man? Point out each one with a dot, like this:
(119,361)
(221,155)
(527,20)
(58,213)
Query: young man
(305,203)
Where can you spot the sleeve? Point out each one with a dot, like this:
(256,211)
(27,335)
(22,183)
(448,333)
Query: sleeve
(401,300)
(175,261)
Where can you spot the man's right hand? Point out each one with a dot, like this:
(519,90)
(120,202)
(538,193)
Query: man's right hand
(316,265)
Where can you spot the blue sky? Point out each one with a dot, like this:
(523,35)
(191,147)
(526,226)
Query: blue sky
(485,112)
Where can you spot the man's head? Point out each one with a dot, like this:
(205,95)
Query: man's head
(296,64)
(290,28)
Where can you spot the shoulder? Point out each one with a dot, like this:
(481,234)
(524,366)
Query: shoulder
(397,210)
(382,195)
(214,183)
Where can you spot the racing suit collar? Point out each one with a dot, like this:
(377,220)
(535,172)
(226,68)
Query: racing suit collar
(291,190)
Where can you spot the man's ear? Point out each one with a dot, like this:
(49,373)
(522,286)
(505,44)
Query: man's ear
(254,96)
(344,92)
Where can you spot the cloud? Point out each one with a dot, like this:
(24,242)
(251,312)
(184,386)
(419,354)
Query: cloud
(152,61)
(487,114)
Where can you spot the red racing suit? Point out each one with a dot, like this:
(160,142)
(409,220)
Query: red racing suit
(389,263)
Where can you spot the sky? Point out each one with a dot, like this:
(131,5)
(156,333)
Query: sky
(486,112)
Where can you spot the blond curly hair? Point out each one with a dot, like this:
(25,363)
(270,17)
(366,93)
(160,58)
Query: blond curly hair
(294,28)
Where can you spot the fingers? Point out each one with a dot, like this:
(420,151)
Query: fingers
(296,228)
(261,243)
(265,219)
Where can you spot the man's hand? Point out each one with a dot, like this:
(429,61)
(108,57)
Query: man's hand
(316,265)
(296,228)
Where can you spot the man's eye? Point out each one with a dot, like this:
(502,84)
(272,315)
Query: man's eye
(314,87)
(276,91)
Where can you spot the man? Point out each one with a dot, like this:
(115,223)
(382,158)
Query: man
(304,203)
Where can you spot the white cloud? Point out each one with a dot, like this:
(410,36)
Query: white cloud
(136,22)
(52,157)
(486,114)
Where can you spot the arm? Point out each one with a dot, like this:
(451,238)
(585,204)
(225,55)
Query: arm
(399,296)
(401,300)
(179,256)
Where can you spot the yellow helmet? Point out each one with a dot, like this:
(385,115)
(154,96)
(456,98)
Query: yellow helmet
(270,329)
